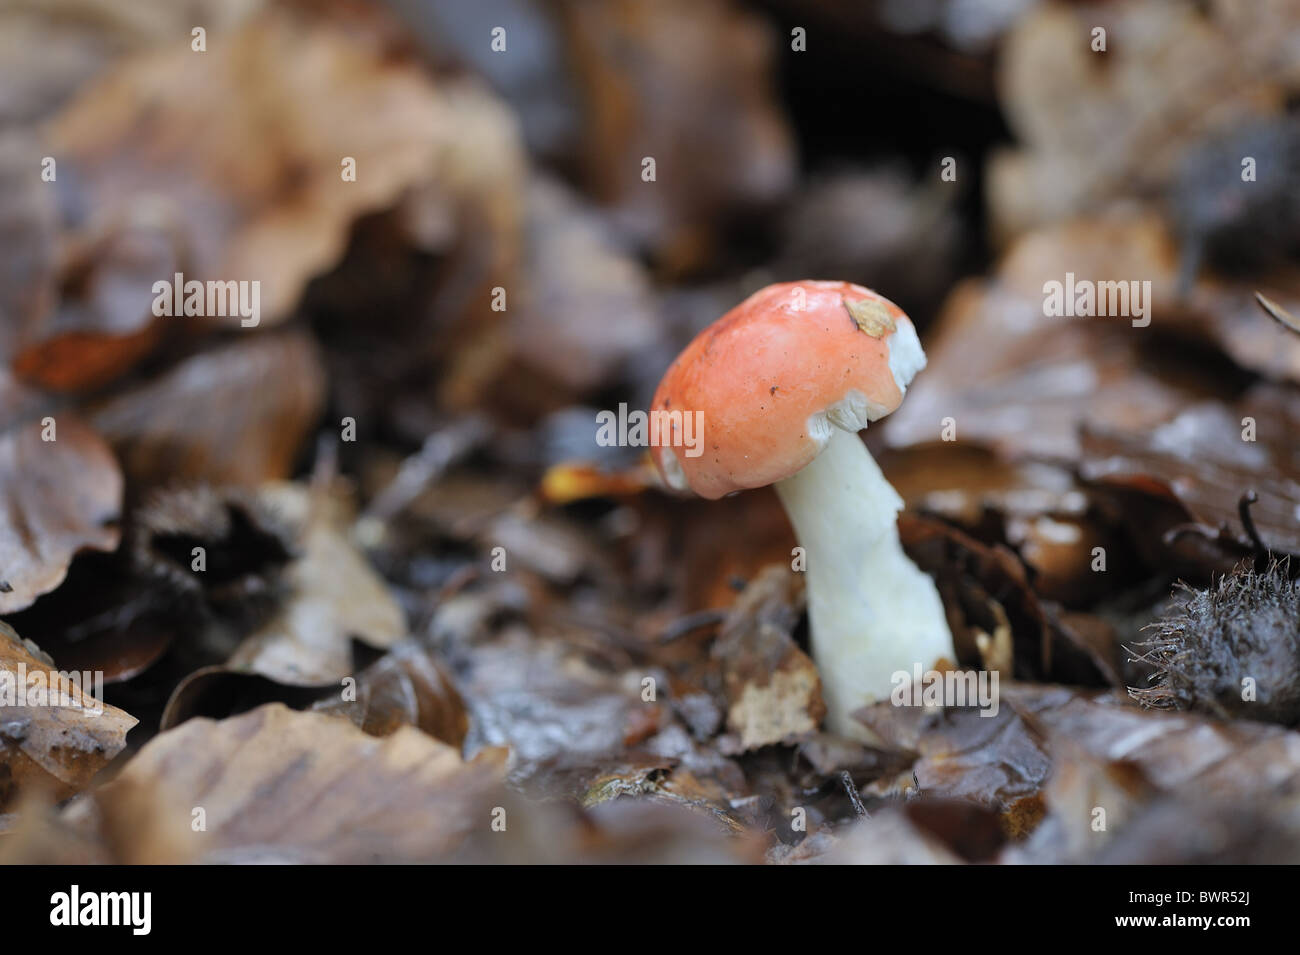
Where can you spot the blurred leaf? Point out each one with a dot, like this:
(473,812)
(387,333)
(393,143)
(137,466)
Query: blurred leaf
(277,785)
(308,93)
(333,597)
(685,82)
(232,415)
(57,497)
(1205,460)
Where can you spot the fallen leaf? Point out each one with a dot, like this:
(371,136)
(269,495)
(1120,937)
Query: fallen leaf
(232,415)
(105,617)
(960,753)
(404,687)
(57,497)
(888,838)
(565,716)
(1206,459)
(49,50)
(985,588)
(54,734)
(28,239)
(103,325)
(1097,127)
(686,83)
(312,93)
(275,784)
(333,597)
(772,687)
(992,346)
(577,278)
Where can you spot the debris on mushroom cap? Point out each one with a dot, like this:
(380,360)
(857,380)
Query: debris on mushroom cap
(772,376)
(871,316)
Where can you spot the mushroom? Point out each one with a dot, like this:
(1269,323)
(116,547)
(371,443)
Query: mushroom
(784,382)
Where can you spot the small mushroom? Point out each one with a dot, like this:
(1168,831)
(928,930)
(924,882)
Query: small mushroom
(784,382)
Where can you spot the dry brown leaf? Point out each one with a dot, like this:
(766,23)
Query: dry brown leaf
(58,497)
(334,597)
(1097,126)
(772,687)
(993,345)
(232,415)
(103,325)
(1039,509)
(1215,309)
(985,588)
(405,687)
(309,93)
(275,784)
(39,834)
(684,82)
(55,735)
(28,226)
(643,831)
(49,48)
(889,838)
(586,309)
(1206,459)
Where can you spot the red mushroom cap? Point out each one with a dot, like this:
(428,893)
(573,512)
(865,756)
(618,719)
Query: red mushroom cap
(774,374)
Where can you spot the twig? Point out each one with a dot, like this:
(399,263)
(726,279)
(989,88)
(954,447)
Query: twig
(440,451)
(691,621)
(1222,534)
(1278,313)
(854,797)
(1248,522)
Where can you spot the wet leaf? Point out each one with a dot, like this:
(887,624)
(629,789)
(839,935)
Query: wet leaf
(405,687)
(992,347)
(1207,458)
(960,753)
(105,617)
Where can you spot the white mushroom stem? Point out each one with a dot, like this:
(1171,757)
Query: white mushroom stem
(873,612)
